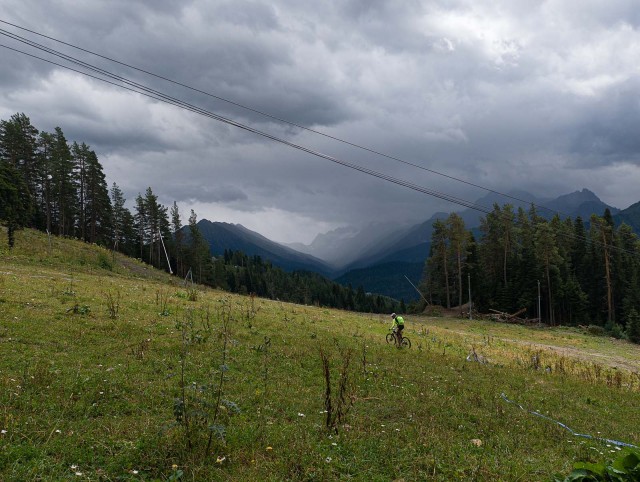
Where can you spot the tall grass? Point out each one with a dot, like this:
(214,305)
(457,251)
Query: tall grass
(93,395)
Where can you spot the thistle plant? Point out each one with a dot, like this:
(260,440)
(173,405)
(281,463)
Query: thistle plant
(336,405)
(201,408)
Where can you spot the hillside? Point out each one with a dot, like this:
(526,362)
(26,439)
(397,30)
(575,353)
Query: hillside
(235,237)
(113,371)
(386,279)
(630,216)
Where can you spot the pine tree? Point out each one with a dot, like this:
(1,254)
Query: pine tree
(459,241)
(46,146)
(18,143)
(15,203)
(633,326)
(63,186)
(80,159)
(140,220)
(440,259)
(117,217)
(98,203)
(178,236)
(200,255)
(602,229)
(548,257)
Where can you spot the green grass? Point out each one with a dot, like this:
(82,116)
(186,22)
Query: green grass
(82,392)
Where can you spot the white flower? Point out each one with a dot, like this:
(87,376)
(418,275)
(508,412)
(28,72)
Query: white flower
(334,444)
(74,467)
(134,472)
(78,474)
(58,430)
(3,431)
(327,460)
(301,414)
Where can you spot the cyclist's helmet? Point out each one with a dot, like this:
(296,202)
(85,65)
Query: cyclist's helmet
(393,315)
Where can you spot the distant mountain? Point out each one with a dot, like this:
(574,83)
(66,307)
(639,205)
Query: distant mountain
(411,245)
(236,237)
(386,279)
(341,246)
(579,203)
(518,199)
(380,255)
(396,245)
(630,216)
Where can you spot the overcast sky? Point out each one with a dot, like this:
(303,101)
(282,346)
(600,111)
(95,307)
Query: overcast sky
(516,94)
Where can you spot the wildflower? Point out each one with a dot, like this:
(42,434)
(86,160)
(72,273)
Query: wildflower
(134,472)
(74,467)
(328,459)
(301,414)
(3,431)
(334,444)
(269,448)
(79,474)
(220,459)
(174,467)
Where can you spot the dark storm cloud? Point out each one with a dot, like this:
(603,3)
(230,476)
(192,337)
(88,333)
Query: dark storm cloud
(609,134)
(511,95)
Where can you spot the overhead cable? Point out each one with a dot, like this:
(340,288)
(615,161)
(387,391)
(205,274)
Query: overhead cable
(279,119)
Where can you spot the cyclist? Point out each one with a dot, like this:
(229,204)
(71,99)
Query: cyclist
(398,326)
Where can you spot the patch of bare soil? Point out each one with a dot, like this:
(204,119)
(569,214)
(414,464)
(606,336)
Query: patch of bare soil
(140,269)
(584,355)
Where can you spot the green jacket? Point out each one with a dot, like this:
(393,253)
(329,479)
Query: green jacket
(399,320)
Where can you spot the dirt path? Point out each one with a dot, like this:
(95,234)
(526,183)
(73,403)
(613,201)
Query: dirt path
(582,354)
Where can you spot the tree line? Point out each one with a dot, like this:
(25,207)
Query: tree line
(562,271)
(50,184)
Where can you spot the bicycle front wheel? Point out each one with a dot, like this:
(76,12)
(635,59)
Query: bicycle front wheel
(390,337)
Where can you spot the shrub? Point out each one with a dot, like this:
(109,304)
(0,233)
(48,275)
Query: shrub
(596,330)
(626,467)
(104,262)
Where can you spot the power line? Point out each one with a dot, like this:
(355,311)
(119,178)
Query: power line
(148,92)
(159,96)
(279,119)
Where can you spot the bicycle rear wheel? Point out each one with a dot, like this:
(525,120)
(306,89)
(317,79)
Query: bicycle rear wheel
(406,343)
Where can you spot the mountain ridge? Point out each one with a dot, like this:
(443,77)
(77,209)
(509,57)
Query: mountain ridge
(355,255)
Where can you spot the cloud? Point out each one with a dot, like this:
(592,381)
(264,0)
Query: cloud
(510,95)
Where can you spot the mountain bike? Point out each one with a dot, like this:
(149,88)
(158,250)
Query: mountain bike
(392,338)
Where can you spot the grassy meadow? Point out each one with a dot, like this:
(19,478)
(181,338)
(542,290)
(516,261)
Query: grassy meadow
(110,370)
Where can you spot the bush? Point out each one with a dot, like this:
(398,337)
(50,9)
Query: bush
(104,262)
(626,467)
(616,330)
(596,330)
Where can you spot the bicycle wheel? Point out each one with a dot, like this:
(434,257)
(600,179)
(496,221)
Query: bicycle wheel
(390,337)
(406,343)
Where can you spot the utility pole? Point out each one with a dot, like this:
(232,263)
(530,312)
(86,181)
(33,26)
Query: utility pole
(539,311)
(165,252)
(469,282)
(419,292)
